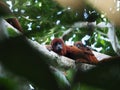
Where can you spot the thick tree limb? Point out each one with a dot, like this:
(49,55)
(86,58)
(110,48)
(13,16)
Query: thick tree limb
(49,56)
(100,56)
(54,59)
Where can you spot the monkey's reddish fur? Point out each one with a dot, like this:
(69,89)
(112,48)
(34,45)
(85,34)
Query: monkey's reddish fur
(73,52)
(89,53)
(15,23)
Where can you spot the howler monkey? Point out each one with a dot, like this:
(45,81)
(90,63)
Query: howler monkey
(15,23)
(89,53)
(9,16)
(73,52)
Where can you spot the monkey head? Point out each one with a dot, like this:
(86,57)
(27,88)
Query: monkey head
(58,46)
(79,44)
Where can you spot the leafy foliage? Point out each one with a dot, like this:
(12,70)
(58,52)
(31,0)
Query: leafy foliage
(42,20)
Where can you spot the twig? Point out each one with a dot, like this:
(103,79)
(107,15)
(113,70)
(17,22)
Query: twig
(67,32)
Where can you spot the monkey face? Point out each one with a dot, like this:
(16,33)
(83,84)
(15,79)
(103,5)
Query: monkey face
(58,46)
(79,44)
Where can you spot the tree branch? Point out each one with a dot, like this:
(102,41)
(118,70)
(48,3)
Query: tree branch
(54,59)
